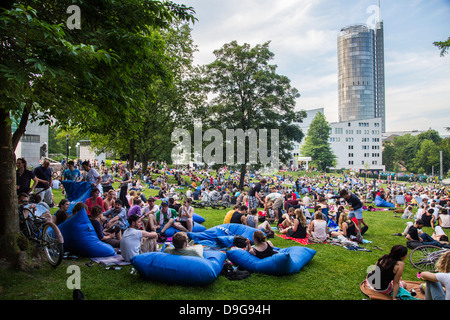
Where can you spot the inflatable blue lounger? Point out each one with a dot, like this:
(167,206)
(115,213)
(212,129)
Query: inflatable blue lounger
(287,261)
(180,270)
(379,202)
(222,235)
(80,237)
(171,230)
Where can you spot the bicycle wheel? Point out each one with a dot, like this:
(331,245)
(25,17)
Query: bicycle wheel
(425,257)
(52,244)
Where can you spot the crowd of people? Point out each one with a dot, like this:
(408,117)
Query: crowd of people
(318,207)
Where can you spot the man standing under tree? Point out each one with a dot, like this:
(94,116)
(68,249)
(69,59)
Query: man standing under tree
(253,194)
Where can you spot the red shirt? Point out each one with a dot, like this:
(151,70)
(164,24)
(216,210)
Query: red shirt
(90,204)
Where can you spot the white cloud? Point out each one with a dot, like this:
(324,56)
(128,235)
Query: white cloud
(303,35)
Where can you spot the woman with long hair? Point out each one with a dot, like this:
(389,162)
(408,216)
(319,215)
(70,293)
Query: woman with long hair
(62,215)
(436,281)
(387,275)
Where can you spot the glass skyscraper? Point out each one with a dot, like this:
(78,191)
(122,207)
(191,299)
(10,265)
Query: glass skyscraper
(361,73)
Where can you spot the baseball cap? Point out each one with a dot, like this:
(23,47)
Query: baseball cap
(165,203)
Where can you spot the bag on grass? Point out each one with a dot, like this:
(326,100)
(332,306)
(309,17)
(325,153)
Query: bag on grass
(239,241)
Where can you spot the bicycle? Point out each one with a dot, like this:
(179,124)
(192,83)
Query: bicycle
(425,257)
(43,234)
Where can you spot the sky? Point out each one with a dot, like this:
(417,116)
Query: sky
(303,37)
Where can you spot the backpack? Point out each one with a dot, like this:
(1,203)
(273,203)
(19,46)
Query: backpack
(234,274)
(239,241)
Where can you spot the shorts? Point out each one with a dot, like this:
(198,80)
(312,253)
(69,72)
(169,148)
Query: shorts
(358,213)
(278,203)
(252,202)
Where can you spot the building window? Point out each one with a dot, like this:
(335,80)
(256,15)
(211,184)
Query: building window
(34,138)
(350,162)
(350,147)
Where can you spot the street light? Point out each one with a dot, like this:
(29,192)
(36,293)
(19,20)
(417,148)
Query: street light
(78,149)
(67,140)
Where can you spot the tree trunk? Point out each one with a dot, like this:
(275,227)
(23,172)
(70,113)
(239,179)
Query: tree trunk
(242,178)
(131,156)
(9,220)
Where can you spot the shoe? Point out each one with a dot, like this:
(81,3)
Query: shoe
(78,295)
(397,234)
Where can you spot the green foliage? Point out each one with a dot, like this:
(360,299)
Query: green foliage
(418,154)
(248,93)
(317,144)
(443,46)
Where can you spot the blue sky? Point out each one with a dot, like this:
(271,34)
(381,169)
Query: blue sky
(303,35)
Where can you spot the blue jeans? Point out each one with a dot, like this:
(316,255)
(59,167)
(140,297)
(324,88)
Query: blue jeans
(428,240)
(434,291)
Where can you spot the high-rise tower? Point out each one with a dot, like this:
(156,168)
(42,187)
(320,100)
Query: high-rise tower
(361,73)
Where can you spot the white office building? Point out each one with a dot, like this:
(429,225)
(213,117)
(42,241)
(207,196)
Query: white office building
(33,145)
(357,144)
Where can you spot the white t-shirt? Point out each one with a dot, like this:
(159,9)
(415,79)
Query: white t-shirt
(147,209)
(91,176)
(130,244)
(444,279)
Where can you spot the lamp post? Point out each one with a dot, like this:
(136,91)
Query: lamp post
(67,140)
(78,149)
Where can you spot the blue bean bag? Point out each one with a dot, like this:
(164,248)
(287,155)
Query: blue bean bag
(76,192)
(287,261)
(171,230)
(379,202)
(198,218)
(80,237)
(180,270)
(222,235)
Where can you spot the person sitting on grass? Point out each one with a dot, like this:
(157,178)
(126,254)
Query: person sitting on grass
(253,220)
(436,282)
(407,214)
(414,238)
(111,236)
(165,218)
(135,240)
(181,246)
(286,221)
(299,227)
(262,248)
(347,227)
(387,275)
(317,229)
(62,215)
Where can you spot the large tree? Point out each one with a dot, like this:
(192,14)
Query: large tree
(317,144)
(82,76)
(248,94)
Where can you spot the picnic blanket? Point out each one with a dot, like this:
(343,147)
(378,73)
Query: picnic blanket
(116,260)
(373,295)
(299,240)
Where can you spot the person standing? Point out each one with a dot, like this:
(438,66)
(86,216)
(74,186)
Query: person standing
(71,173)
(355,210)
(44,175)
(107,180)
(92,176)
(253,194)
(126,179)
(24,177)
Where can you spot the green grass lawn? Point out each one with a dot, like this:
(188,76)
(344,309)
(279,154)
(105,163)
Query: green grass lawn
(334,273)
